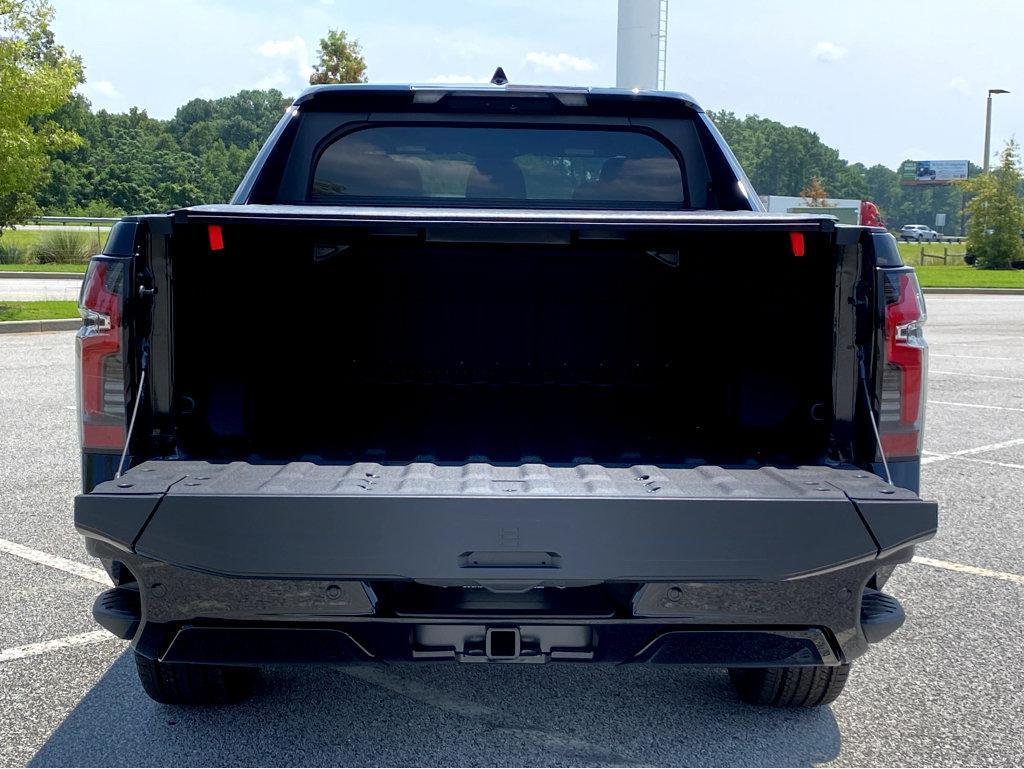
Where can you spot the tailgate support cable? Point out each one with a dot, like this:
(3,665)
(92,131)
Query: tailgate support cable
(135,410)
(871,414)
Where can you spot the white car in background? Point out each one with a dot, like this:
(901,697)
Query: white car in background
(921,233)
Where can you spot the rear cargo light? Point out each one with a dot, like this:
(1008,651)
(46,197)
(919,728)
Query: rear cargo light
(904,371)
(216,237)
(796,242)
(99,346)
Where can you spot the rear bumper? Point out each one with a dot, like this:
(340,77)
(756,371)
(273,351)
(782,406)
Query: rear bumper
(183,615)
(274,577)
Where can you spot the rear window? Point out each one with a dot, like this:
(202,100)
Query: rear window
(501,166)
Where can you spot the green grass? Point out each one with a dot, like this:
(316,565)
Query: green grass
(911,252)
(43,267)
(37,310)
(29,238)
(953,273)
(962,276)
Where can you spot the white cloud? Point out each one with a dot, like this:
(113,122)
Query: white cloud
(558,62)
(294,49)
(282,48)
(827,52)
(102,88)
(458,79)
(960,85)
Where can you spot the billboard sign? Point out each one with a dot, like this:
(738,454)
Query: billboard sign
(924,172)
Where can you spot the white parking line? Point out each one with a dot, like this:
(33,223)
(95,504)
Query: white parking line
(45,647)
(1008,465)
(965,569)
(977,376)
(967,452)
(975,406)
(55,562)
(968,357)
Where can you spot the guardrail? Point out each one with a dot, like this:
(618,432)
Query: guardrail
(84,221)
(942,239)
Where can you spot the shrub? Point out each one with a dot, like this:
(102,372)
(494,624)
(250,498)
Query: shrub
(997,213)
(10,253)
(64,247)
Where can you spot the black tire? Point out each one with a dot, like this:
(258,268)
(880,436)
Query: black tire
(789,687)
(177,684)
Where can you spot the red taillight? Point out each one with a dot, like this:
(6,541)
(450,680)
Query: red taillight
(903,389)
(101,393)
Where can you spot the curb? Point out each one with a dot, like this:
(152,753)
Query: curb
(42,275)
(33,326)
(978,291)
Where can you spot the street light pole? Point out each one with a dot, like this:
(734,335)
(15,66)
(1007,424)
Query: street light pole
(988,127)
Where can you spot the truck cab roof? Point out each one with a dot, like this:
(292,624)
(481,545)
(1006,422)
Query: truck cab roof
(432,93)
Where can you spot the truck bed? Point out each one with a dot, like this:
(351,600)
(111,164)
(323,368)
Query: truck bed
(482,479)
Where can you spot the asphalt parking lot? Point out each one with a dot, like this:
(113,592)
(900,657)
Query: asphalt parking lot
(947,690)
(38,289)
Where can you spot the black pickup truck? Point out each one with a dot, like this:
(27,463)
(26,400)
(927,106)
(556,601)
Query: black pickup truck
(504,375)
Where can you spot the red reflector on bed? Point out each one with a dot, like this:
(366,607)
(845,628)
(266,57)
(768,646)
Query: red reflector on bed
(216,237)
(796,240)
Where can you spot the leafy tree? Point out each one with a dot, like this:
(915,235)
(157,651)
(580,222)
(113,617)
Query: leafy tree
(815,194)
(997,213)
(339,60)
(780,159)
(36,77)
(130,162)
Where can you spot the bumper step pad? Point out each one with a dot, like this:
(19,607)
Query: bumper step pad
(880,615)
(119,610)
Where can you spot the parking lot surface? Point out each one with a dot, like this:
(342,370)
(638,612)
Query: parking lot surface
(947,689)
(38,289)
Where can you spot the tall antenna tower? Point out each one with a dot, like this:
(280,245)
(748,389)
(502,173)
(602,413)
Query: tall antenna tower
(642,44)
(662,43)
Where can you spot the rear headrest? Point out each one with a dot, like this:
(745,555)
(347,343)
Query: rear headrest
(592,190)
(373,174)
(635,179)
(495,178)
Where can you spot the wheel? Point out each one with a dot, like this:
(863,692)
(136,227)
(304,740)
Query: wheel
(179,684)
(805,687)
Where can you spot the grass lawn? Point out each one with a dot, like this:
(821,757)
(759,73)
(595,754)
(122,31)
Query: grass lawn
(962,276)
(28,238)
(79,267)
(911,252)
(37,310)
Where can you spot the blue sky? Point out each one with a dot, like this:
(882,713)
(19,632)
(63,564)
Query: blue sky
(880,81)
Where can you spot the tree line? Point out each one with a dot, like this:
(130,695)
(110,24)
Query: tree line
(130,162)
(783,160)
(62,157)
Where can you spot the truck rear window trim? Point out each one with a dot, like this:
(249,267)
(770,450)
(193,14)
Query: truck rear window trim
(350,128)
